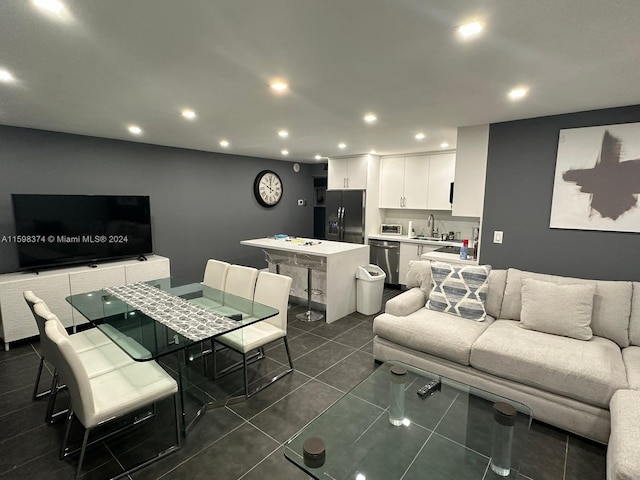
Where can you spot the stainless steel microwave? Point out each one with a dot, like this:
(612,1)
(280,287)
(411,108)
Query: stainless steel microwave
(390,229)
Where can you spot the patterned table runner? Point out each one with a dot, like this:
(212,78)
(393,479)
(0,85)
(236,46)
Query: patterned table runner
(189,320)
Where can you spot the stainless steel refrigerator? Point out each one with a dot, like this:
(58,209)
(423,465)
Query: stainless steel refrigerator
(345,215)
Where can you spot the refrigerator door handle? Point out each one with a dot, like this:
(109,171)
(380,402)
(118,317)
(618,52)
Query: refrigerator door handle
(341,223)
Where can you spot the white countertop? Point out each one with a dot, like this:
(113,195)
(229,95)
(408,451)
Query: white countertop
(406,239)
(447,258)
(323,248)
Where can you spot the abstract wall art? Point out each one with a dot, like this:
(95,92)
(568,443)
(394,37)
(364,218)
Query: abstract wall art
(597,179)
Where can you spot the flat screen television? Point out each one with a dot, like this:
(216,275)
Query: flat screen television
(56,230)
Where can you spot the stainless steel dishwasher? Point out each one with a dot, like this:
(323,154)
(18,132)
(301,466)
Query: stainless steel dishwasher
(386,254)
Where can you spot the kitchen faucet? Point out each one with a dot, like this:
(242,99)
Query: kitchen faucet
(430,224)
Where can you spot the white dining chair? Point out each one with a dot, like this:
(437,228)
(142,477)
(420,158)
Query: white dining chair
(271,290)
(81,341)
(215,274)
(110,396)
(97,360)
(241,281)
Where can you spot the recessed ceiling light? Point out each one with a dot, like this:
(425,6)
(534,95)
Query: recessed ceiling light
(372,152)
(53,6)
(5,76)
(370,118)
(279,86)
(224,143)
(318,157)
(283,133)
(342,145)
(284,152)
(469,30)
(518,93)
(189,114)
(135,130)
(420,136)
(444,145)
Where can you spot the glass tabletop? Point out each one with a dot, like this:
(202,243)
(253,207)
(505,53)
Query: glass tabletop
(143,337)
(446,435)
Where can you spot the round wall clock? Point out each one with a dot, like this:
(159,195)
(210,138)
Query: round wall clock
(267,188)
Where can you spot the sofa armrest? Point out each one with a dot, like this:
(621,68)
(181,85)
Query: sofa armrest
(406,303)
(624,442)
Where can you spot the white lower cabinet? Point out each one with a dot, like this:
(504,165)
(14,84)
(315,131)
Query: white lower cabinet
(412,251)
(53,286)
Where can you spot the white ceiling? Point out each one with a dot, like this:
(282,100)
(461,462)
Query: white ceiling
(102,65)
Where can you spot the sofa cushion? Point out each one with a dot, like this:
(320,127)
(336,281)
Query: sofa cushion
(459,289)
(624,442)
(557,309)
(587,371)
(497,281)
(611,303)
(436,333)
(634,323)
(631,358)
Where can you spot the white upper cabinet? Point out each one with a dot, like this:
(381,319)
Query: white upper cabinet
(347,173)
(441,174)
(420,182)
(471,170)
(416,173)
(391,182)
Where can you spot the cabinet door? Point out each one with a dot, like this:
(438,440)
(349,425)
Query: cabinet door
(441,173)
(391,182)
(416,182)
(408,252)
(153,269)
(357,172)
(17,321)
(337,174)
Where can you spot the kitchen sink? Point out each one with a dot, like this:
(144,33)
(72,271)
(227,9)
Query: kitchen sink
(421,237)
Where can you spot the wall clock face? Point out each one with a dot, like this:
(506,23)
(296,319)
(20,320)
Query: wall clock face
(267,188)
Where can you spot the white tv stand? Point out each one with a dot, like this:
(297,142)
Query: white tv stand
(53,286)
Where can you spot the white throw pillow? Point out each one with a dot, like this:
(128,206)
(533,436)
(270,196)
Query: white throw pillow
(419,275)
(557,309)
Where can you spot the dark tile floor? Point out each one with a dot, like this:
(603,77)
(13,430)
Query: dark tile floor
(243,440)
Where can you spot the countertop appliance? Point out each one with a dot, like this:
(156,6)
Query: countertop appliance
(345,216)
(386,254)
(390,229)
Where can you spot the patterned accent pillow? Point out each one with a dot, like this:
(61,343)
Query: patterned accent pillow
(459,290)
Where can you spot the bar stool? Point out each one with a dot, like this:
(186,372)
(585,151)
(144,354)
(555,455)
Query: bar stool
(277,259)
(311,263)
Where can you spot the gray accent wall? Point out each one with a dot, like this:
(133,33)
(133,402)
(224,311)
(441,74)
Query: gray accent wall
(202,203)
(519,185)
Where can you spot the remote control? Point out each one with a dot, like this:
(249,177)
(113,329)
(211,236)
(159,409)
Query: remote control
(429,389)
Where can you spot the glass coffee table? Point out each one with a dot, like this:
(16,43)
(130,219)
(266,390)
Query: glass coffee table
(450,433)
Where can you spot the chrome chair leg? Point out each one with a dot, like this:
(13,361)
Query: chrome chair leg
(52,399)
(37,395)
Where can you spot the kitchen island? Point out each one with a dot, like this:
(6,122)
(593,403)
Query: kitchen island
(338,283)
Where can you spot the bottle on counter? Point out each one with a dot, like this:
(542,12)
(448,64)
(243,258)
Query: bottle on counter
(464,249)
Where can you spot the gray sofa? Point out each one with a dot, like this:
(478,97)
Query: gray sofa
(565,381)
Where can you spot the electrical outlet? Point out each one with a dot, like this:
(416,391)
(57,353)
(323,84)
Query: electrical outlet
(497,236)
(302,202)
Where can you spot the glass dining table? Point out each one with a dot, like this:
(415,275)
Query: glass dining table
(172,321)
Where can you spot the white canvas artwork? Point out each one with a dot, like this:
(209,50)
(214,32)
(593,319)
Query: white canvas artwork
(597,180)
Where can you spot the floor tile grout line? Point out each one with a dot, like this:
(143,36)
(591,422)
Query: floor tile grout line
(276,401)
(260,462)
(244,422)
(566,458)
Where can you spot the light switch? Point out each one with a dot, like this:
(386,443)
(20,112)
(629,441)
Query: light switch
(497,236)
